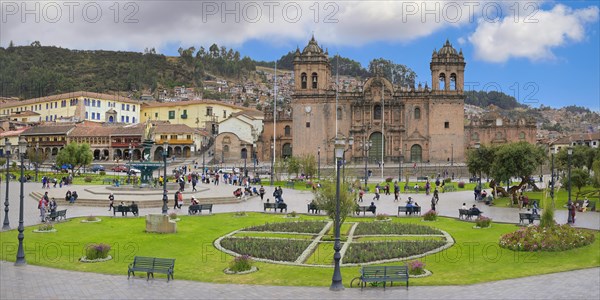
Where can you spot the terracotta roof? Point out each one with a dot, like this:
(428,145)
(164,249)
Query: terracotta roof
(172,128)
(134,129)
(577,137)
(251,113)
(49,129)
(25,113)
(13,132)
(71,95)
(191,102)
(83,130)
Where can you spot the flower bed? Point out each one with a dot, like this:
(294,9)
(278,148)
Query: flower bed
(483,222)
(45,228)
(369,228)
(430,216)
(553,238)
(416,267)
(273,249)
(96,252)
(301,227)
(374,251)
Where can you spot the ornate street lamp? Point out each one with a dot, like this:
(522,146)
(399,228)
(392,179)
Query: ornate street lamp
(319,163)
(570,153)
(37,145)
(20,252)
(245,157)
(129,173)
(7,150)
(336,280)
(400,168)
(478,147)
(203,152)
(165,199)
(350,143)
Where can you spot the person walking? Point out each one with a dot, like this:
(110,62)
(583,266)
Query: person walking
(434,202)
(42,207)
(111,202)
(261,192)
(176,199)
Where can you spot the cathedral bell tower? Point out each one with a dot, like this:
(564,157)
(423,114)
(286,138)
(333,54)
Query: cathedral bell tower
(312,69)
(447,69)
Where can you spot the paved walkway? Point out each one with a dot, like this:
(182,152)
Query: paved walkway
(33,282)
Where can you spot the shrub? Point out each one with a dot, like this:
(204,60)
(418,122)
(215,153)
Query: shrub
(553,238)
(430,216)
(102,173)
(88,179)
(483,222)
(372,228)
(46,227)
(293,214)
(240,214)
(389,179)
(97,251)
(381,217)
(91,218)
(172,216)
(241,263)
(448,180)
(461,184)
(416,267)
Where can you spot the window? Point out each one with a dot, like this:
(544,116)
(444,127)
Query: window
(209,111)
(132,119)
(93,102)
(377,112)
(122,106)
(339,113)
(163,137)
(46,106)
(307,124)
(287,150)
(171,114)
(475,136)
(173,136)
(133,107)
(287,130)
(93,116)
(303,79)
(442,81)
(453,82)
(226,148)
(417,113)
(224,114)
(522,135)
(498,135)
(416,153)
(446,124)
(122,119)
(127,107)
(127,119)
(63,103)
(99,103)
(86,116)
(156,115)
(188,137)
(315,80)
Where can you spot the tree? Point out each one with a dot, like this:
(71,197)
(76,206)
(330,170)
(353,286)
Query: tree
(579,158)
(325,197)
(36,158)
(478,160)
(579,179)
(516,160)
(309,165)
(75,154)
(293,166)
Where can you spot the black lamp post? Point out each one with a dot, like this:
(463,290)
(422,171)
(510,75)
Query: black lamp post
(245,157)
(37,145)
(552,181)
(272,159)
(20,252)
(366,146)
(165,199)
(400,168)
(319,163)
(350,143)
(129,173)
(203,151)
(478,147)
(570,153)
(7,150)
(336,280)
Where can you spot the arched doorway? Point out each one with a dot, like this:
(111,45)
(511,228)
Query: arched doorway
(96,154)
(158,153)
(286,150)
(416,153)
(244,153)
(377,146)
(186,151)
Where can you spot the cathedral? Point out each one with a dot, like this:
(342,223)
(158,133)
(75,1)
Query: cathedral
(386,122)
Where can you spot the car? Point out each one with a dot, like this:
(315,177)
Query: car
(134,171)
(96,168)
(229,170)
(120,168)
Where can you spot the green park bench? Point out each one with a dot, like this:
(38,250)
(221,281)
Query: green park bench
(152,265)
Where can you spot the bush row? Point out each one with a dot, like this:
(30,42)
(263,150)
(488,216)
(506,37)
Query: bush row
(367,228)
(373,251)
(300,227)
(273,249)
(553,238)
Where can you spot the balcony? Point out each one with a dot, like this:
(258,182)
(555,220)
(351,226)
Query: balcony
(175,142)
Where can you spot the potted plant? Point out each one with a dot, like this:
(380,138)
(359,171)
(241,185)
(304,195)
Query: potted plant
(416,269)
(242,264)
(96,253)
(45,228)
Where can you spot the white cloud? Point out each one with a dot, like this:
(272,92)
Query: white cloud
(531,36)
(158,23)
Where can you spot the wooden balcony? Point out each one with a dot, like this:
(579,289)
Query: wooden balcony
(174,142)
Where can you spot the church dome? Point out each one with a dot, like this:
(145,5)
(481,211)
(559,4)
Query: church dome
(312,47)
(447,49)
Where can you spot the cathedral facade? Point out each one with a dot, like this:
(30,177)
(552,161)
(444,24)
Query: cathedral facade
(386,122)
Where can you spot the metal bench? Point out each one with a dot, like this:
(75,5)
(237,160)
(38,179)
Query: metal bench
(364,210)
(57,215)
(198,208)
(275,206)
(152,265)
(383,274)
(528,216)
(315,209)
(409,210)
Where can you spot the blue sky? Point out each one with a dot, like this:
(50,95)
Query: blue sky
(541,52)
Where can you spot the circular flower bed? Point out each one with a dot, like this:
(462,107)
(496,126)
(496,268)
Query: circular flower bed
(553,238)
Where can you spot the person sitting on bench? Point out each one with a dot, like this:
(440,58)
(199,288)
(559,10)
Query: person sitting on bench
(372,207)
(474,211)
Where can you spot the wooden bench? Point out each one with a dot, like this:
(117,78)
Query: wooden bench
(409,210)
(313,208)
(275,206)
(528,216)
(152,265)
(57,215)
(364,210)
(124,209)
(383,274)
(467,214)
(198,208)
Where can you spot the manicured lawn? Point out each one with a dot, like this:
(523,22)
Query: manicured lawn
(560,197)
(476,256)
